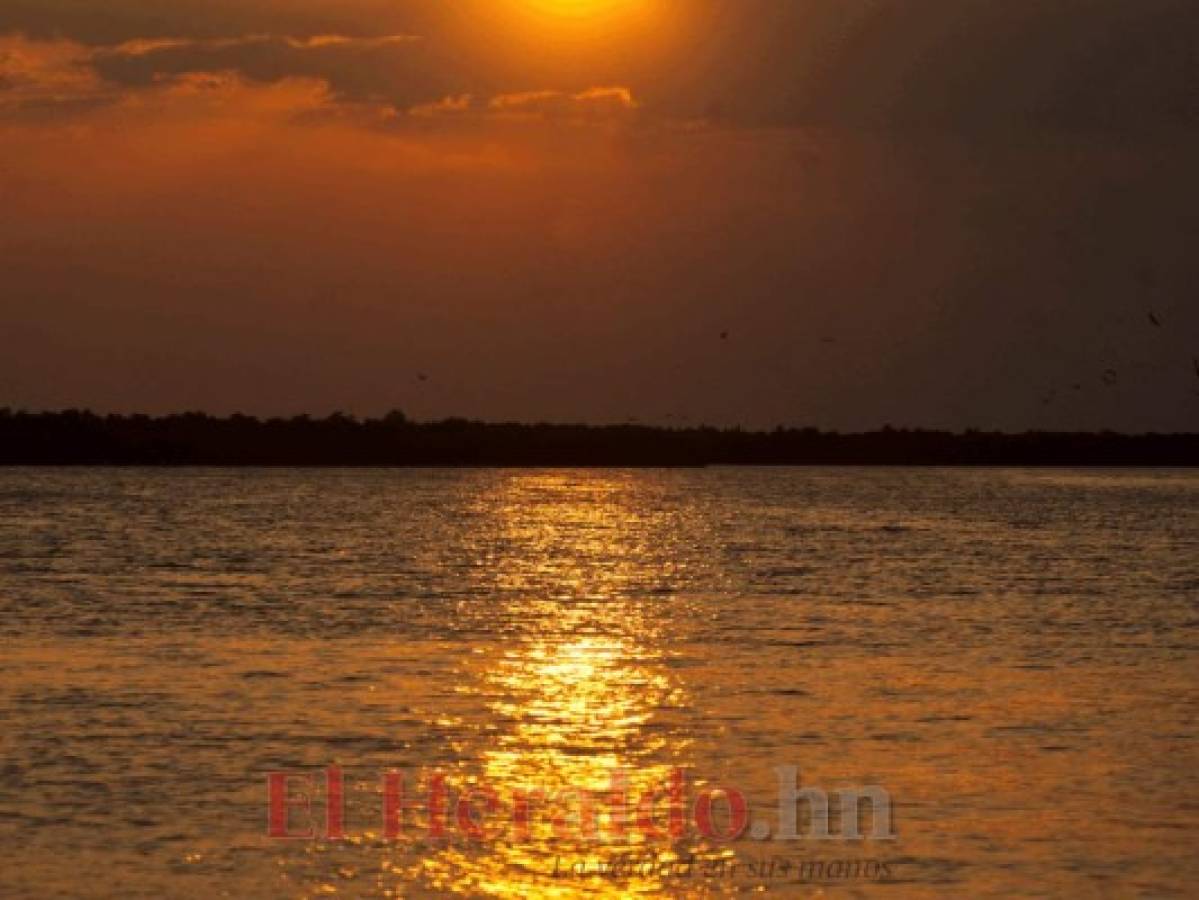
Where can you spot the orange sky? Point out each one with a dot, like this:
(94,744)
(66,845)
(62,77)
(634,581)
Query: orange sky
(931,214)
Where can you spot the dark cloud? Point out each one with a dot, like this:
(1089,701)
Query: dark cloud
(48,78)
(973,63)
(399,69)
(965,65)
(948,64)
(115,21)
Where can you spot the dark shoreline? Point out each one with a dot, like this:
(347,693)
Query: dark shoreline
(74,438)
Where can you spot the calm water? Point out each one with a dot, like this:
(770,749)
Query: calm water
(1011,654)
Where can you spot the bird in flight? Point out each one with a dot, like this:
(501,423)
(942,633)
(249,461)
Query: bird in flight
(1155,320)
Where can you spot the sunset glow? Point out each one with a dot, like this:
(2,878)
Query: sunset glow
(625,180)
(598,448)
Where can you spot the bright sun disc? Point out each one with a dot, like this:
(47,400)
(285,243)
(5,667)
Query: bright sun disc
(556,37)
(581,9)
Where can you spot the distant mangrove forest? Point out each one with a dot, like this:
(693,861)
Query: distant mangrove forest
(74,437)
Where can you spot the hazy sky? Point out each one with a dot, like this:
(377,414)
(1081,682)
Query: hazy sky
(925,212)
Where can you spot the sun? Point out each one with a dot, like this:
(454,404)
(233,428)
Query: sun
(566,39)
(580,9)
(587,14)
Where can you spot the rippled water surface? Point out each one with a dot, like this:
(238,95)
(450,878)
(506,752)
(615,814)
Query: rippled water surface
(1009,654)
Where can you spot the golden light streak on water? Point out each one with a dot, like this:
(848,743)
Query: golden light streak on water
(1011,653)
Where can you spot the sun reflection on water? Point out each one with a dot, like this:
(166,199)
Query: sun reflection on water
(1016,682)
(578,699)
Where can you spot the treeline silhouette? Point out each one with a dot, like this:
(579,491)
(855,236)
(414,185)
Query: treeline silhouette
(76,437)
